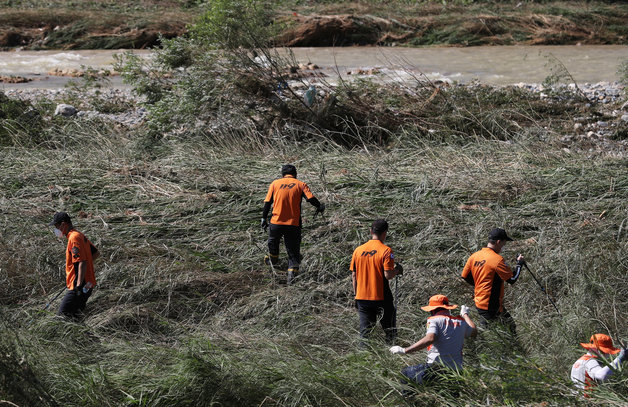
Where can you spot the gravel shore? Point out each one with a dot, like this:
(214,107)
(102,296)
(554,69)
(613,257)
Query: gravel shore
(607,95)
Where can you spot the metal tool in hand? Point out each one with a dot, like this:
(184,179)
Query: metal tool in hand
(399,269)
(541,286)
(55,297)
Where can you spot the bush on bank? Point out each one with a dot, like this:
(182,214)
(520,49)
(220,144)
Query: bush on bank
(226,74)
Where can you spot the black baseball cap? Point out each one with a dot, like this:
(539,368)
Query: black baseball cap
(60,217)
(499,234)
(379,226)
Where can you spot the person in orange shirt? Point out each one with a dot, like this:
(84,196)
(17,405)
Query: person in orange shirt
(285,196)
(372,265)
(486,270)
(79,266)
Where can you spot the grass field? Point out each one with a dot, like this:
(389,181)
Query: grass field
(186,314)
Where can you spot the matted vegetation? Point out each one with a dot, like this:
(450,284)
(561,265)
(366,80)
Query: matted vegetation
(186,313)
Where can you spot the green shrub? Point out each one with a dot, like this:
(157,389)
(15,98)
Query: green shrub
(20,122)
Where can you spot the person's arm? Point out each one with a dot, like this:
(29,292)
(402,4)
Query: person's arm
(427,340)
(314,202)
(597,372)
(467,275)
(517,272)
(268,200)
(469,321)
(390,268)
(94,251)
(503,271)
(390,274)
(266,209)
(423,343)
(354,283)
(464,314)
(80,275)
(309,197)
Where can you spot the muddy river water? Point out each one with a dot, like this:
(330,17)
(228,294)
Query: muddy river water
(499,65)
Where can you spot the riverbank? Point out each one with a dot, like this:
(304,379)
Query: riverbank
(601,123)
(59,24)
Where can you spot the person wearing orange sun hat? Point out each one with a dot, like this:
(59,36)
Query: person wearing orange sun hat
(588,370)
(444,340)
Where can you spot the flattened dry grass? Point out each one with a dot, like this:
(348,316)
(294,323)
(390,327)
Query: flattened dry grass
(187,314)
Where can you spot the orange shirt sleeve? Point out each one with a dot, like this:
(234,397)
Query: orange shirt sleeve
(389,260)
(467,268)
(352,266)
(77,249)
(306,191)
(503,270)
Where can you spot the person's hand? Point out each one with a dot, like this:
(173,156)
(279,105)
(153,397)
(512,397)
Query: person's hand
(520,260)
(78,291)
(397,350)
(264,224)
(464,310)
(320,209)
(622,355)
(399,269)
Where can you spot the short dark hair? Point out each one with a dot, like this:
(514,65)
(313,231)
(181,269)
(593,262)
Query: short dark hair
(379,226)
(288,169)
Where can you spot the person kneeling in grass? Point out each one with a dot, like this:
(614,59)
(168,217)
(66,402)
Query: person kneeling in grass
(444,340)
(588,370)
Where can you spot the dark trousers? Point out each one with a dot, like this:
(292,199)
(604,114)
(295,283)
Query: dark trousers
(423,373)
(291,238)
(504,318)
(368,312)
(73,303)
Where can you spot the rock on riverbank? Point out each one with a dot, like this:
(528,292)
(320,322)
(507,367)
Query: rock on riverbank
(133,116)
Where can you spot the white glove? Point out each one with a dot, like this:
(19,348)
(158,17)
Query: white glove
(397,350)
(464,310)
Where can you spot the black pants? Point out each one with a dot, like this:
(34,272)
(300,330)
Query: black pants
(423,373)
(72,303)
(368,311)
(291,238)
(504,318)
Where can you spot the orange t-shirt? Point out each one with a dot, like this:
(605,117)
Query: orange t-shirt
(79,249)
(369,262)
(286,194)
(489,271)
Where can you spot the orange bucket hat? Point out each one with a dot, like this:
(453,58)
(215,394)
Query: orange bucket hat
(601,342)
(438,301)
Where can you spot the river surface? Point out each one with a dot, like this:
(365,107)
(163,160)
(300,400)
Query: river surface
(498,65)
